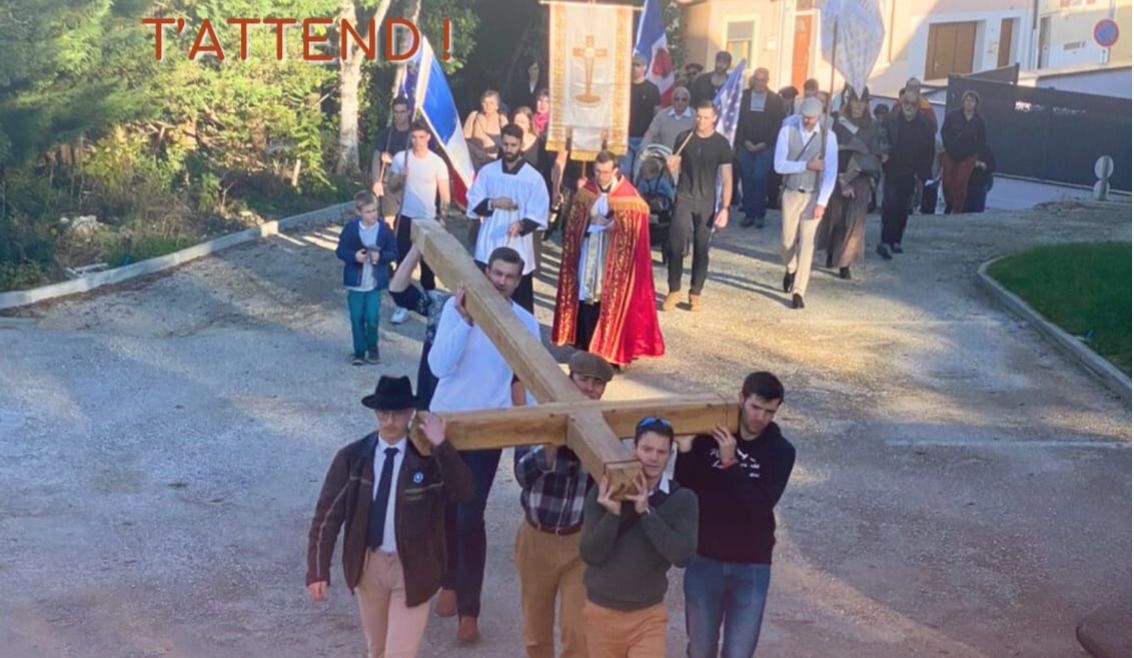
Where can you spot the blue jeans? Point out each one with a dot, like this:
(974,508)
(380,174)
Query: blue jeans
(634,145)
(364,308)
(754,169)
(466,543)
(727,592)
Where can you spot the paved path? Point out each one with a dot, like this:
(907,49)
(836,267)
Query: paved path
(962,489)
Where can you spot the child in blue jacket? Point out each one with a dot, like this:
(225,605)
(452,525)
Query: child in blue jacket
(367,247)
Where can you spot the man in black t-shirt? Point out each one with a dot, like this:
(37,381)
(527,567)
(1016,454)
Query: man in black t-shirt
(644,102)
(705,86)
(391,140)
(738,479)
(701,162)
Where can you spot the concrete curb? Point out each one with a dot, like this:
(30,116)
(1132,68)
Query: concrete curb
(1105,632)
(1113,378)
(18,298)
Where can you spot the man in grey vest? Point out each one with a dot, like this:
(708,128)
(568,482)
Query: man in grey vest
(807,157)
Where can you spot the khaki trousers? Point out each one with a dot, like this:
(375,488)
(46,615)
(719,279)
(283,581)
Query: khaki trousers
(392,630)
(617,634)
(798,237)
(549,565)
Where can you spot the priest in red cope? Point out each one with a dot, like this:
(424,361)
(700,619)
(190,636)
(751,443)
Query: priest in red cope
(605,303)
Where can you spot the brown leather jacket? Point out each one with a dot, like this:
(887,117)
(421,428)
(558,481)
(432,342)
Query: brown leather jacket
(424,486)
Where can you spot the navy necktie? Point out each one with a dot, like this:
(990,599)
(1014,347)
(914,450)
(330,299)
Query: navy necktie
(377,525)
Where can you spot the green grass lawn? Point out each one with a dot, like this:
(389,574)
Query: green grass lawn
(1083,288)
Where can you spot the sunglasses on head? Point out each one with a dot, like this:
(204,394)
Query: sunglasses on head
(653,420)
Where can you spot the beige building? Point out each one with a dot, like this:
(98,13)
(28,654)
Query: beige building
(929,40)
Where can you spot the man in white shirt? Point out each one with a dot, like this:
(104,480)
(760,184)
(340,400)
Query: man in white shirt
(472,374)
(425,177)
(807,157)
(509,197)
(389,497)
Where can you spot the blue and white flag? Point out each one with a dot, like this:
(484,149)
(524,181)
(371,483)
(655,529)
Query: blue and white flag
(653,46)
(727,102)
(423,83)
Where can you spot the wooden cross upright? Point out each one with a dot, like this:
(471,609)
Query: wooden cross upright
(591,428)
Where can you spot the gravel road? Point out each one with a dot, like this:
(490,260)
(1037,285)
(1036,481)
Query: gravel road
(961,488)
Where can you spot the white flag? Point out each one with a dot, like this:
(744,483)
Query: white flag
(590,47)
(860,35)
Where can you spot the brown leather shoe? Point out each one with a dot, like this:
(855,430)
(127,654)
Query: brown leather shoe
(671,301)
(694,302)
(446,603)
(467,632)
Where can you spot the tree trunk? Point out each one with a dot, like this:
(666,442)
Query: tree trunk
(350,83)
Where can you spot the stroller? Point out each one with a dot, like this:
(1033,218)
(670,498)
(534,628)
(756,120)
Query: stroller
(654,183)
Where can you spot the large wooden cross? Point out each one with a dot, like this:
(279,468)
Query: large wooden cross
(564,416)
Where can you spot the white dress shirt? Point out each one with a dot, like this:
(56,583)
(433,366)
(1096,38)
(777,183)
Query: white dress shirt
(784,166)
(389,540)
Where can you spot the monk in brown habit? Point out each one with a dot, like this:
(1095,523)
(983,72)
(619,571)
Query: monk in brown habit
(605,303)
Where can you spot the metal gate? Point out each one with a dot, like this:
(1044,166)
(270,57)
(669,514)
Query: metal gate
(1051,135)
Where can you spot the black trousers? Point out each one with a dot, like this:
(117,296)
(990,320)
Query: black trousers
(897,194)
(586,320)
(403,238)
(466,540)
(690,214)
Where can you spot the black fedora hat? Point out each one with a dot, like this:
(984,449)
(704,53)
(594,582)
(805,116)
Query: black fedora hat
(391,394)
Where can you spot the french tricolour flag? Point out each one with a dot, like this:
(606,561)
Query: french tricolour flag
(424,84)
(651,44)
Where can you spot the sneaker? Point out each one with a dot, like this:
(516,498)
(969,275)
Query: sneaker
(694,302)
(400,315)
(671,300)
(797,301)
(356,360)
(883,251)
(372,356)
(844,273)
(789,280)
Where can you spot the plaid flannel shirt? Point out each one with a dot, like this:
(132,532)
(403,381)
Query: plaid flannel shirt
(552,497)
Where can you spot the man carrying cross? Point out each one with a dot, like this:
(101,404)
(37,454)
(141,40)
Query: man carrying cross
(555,484)
(388,496)
(472,374)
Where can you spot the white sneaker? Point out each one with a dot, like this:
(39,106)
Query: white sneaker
(399,316)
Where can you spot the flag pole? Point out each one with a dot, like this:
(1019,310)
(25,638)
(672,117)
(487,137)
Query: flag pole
(831,93)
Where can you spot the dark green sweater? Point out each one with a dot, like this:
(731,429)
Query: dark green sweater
(627,556)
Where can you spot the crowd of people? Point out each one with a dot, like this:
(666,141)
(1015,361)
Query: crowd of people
(413,525)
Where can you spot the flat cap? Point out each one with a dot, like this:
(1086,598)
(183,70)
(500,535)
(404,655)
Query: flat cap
(811,107)
(590,365)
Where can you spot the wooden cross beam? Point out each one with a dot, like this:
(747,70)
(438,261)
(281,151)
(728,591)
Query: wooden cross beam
(592,429)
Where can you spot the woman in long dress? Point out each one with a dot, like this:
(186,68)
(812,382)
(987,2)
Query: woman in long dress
(843,233)
(963,134)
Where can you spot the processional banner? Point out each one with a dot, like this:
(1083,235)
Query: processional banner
(590,48)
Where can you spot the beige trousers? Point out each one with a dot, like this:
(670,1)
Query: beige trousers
(549,566)
(392,630)
(617,634)
(798,238)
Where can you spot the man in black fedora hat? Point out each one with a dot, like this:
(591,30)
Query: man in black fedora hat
(391,499)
